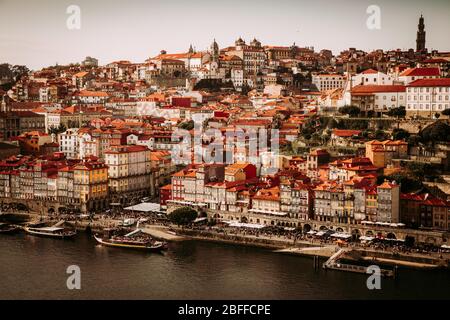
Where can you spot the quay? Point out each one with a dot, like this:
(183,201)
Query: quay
(357,269)
(319,251)
(278,244)
(333,264)
(334,258)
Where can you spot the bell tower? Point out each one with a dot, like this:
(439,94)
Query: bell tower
(420,42)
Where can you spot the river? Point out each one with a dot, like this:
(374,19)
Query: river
(35,268)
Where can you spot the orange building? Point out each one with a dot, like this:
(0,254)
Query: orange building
(382,152)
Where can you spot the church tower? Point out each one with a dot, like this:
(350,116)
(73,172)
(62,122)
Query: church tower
(214,51)
(214,60)
(420,42)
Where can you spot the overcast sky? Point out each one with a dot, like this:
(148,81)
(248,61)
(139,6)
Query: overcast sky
(34,32)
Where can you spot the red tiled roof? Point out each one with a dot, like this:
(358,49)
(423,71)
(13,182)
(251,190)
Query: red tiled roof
(346,133)
(388,185)
(318,152)
(440,82)
(369,71)
(436,60)
(126,149)
(378,88)
(86,93)
(420,72)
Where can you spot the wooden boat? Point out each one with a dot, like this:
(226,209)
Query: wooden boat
(55,231)
(132,240)
(127,222)
(6,228)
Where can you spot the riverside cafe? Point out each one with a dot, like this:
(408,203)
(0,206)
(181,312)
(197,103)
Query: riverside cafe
(340,237)
(390,239)
(146,209)
(254,226)
(236,224)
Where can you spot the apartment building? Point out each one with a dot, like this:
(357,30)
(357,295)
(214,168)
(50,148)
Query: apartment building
(129,170)
(325,82)
(426,97)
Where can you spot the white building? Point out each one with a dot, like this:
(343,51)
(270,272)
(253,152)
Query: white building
(88,146)
(367,77)
(151,108)
(412,74)
(378,98)
(91,97)
(44,94)
(69,143)
(193,61)
(425,97)
(328,81)
(371,77)
(237,77)
(129,169)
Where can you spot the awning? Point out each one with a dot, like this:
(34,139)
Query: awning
(245,225)
(145,207)
(190,203)
(366,238)
(276,213)
(200,219)
(311,232)
(445,246)
(341,235)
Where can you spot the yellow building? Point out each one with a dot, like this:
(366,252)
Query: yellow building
(382,152)
(91,184)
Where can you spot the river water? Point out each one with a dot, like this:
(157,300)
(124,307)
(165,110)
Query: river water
(35,268)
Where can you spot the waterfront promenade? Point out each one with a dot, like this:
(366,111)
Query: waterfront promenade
(293,244)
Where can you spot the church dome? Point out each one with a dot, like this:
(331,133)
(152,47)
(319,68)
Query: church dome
(255,43)
(239,42)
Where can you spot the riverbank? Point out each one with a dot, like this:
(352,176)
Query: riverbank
(162,233)
(311,249)
(323,252)
(417,261)
(277,243)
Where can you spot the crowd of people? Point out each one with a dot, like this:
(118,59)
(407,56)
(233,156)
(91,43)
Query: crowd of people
(297,237)
(293,236)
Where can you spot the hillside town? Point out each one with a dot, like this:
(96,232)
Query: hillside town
(352,139)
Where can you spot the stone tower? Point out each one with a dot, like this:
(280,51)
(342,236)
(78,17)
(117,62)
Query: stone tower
(214,51)
(420,42)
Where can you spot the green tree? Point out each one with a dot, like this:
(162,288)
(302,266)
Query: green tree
(400,134)
(438,131)
(187,125)
(380,135)
(183,216)
(419,169)
(446,112)
(407,183)
(59,129)
(352,111)
(414,140)
(399,112)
